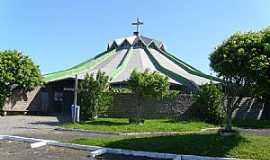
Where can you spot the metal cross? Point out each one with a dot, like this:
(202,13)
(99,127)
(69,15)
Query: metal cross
(138,23)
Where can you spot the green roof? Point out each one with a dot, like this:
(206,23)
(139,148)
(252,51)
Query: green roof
(121,59)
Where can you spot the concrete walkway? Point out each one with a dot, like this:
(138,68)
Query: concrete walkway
(21,124)
(11,150)
(39,127)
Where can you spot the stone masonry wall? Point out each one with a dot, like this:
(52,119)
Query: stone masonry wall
(124,105)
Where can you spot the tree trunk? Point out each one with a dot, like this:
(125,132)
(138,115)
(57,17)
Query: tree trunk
(228,126)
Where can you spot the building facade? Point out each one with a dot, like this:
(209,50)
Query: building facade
(121,57)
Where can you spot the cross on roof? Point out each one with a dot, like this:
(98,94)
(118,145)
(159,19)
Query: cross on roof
(137,24)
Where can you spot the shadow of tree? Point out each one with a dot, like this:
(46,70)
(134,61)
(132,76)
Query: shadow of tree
(211,144)
(61,119)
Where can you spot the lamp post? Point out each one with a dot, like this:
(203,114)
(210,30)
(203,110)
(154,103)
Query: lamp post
(75,107)
(76,91)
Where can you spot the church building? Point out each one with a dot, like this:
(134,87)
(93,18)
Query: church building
(121,57)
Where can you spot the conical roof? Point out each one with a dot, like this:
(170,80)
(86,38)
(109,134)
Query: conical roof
(123,55)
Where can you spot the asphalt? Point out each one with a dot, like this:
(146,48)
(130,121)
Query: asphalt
(10,150)
(42,127)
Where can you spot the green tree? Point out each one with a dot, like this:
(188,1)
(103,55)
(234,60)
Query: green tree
(260,66)
(18,73)
(209,104)
(146,85)
(94,95)
(232,62)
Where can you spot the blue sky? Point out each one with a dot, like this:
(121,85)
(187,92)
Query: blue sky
(62,33)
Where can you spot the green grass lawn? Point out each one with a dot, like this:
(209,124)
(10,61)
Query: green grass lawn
(210,144)
(122,125)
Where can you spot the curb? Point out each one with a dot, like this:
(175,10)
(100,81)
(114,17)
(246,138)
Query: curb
(119,133)
(88,131)
(95,150)
(131,133)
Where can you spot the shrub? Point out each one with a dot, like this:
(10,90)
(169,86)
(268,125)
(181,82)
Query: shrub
(209,104)
(94,95)
(146,85)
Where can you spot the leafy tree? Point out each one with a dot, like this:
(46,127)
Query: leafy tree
(146,85)
(260,66)
(231,61)
(18,73)
(94,95)
(209,104)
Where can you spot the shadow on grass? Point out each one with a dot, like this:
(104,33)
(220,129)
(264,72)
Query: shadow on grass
(252,124)
(105,123)
(195,144)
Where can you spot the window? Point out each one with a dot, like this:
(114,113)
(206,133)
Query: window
(58,96)
(125,45)
(139,44)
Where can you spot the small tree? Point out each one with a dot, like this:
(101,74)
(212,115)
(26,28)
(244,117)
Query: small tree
(18,73)
(231,61)
(209,104)
(146,85)
(94,95)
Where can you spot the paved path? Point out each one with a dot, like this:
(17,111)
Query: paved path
(20,124)
(257,132)
(38,127)
(11,150)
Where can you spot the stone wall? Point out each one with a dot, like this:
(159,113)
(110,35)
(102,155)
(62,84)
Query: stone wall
(21,102)
(124,105)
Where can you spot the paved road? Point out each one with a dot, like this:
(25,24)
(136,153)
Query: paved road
(11,150)
(38,127)
(20,124)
